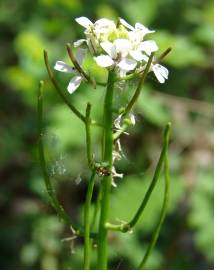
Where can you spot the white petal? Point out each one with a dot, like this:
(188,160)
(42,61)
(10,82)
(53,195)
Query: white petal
(104,22)
(146,58)
(101,31)
(90,47)
(158,74)
(80,55)
(143,28)
(163,71)
(122,46)
(104,61)
(122,72)
(63,67)
(74,84)
(135,37)
(85,22)
(109,48)
(148,46)
(127,25)
(79,42)
(127,64)
(137,55)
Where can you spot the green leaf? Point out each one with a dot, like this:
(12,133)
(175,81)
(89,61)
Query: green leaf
(201,217)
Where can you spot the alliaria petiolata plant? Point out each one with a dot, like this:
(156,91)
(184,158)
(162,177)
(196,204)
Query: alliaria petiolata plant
(127,54)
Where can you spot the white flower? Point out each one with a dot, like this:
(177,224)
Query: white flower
(139,51)
(123,47)
(139,31)
(63,67)
(148,46)
(117,54)
(104,26)
(137,55)
(136,36)
(95,32)
(160,72)
(99,24)
(85,22)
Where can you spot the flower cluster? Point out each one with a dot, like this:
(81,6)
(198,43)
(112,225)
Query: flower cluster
(119,46)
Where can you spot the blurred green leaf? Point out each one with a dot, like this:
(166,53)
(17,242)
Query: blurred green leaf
(29,254)
(49,262)
(201,216)
(204,33)
(184,51)
(106,11)
(141,11)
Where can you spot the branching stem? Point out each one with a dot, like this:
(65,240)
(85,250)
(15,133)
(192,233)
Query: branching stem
(138,90)
(51,193)
(59,91)
(128,226)
(164,206)
(50,190)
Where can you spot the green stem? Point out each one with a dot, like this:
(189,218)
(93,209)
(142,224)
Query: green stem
(128,77)
(118,133)
(88,134)
(136,217)
(107,180)
(87,208)
(51,193)
(78,67)
(59,91)
(101,84)
(163,55)
(75,63)
(164,206)
(96,209)
(128,226)
(138,90)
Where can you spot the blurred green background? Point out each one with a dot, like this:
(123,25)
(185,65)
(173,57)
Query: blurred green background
(31,235)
